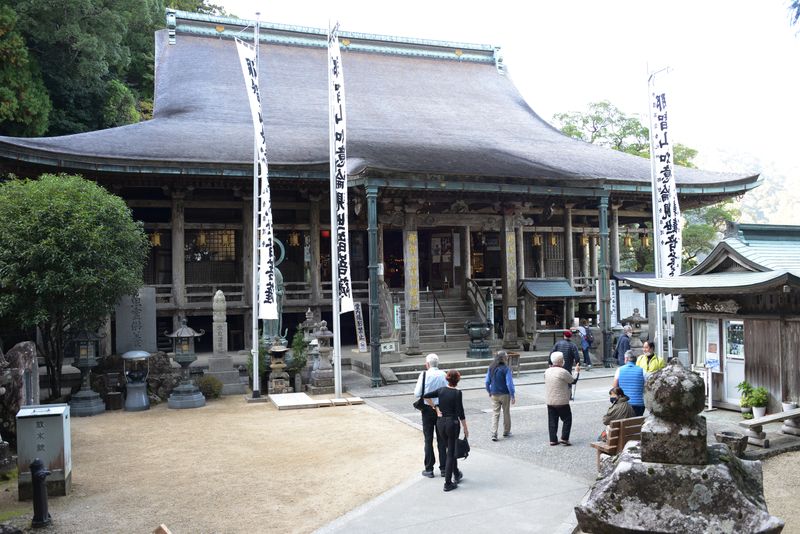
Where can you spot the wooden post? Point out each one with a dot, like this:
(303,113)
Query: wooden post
(466,258)
(593,255)
(374,304)
(614,244)
(569,262)
(314,252)
(520,238)
(178,259)
(605,299)
(247,268)
(411,276)
(509,274)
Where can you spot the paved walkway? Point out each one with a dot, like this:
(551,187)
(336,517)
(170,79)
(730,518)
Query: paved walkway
(496,494)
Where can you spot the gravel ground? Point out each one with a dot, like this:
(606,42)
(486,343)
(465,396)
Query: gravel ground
(781,488)
(227,467)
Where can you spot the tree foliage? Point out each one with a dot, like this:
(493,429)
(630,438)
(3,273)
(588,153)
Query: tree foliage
(68,251)
(24,103)
(794,11)
(606,125)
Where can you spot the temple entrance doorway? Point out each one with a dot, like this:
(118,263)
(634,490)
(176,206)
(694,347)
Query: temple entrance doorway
(439,259)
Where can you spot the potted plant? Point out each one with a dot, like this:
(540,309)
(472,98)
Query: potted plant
(759,398)
(788,405)
(745,390)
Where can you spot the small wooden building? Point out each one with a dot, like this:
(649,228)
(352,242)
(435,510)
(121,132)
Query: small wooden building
(742,305)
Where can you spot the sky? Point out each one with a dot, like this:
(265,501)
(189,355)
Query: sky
(733,75)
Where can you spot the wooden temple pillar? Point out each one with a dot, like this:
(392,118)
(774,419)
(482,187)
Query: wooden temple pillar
(466,258)
(315,279)
(593,266)
(586,263)
(521,316)
(569,263)
(508,242)
(247,268)
(178,257)
(374,302)
(542,273)
(614,244)
(411,282)
(605,298)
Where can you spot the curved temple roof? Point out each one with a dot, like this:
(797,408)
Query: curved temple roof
(407,112)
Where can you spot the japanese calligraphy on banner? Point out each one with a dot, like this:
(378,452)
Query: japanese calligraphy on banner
(267,302)
(667,211)
(361,335)
(338,164)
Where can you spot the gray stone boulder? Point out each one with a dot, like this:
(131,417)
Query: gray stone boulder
(675,394)
(633,496)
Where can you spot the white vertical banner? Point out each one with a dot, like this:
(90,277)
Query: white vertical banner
(667,214)
(267,302)
(338,165)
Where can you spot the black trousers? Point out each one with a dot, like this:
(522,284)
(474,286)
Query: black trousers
(449,428)
(554,413)
(429,426)
(638,410)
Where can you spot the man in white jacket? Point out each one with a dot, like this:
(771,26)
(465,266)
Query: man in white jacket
(557,387)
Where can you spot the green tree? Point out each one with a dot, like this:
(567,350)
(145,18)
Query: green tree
(198,6)
(794,11)
(24,103)
(120,106)
(606,125)
(68,251)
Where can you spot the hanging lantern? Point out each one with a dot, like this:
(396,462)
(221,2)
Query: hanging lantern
(226,238)
(646,240)
(201,239)
(294,239)
(584,239)
(553,239)
(537,240)
(155,239)
(627,240)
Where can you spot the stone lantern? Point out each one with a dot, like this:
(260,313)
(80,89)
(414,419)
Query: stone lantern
(186,395)
(307,327)
(86,402)
(278,378)
(322,374)
(636,321)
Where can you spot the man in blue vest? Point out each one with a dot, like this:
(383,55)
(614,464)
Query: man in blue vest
(630,377)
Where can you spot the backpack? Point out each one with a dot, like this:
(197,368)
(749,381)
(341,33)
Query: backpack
(589,337)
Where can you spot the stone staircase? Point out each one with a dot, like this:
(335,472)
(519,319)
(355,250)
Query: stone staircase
(408,372)
(457,310)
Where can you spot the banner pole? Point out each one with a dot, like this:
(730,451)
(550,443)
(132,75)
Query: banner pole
(256,203)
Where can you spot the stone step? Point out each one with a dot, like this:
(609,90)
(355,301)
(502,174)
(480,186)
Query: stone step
(472,370)
(466,362)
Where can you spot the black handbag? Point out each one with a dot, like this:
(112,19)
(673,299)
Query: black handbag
(462,448)
(419,404)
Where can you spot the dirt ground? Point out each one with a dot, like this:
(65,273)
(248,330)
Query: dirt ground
(782,487)
(227,467)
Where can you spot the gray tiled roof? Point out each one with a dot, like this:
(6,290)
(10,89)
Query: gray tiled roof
(718,283)
(405,114)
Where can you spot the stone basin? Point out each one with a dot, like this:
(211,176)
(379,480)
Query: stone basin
(735,441)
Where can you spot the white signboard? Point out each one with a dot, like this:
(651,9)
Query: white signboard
(712,345)
(612,288)
(360,334)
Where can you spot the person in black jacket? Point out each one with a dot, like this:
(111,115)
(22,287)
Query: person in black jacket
(451,412)
(566,347)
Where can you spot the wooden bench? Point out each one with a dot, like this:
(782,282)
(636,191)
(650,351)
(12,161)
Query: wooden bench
(754,427)
(622,431)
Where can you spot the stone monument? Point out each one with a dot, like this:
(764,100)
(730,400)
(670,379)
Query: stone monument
(136,322)
(7,462)
(672,481)
(220,364)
